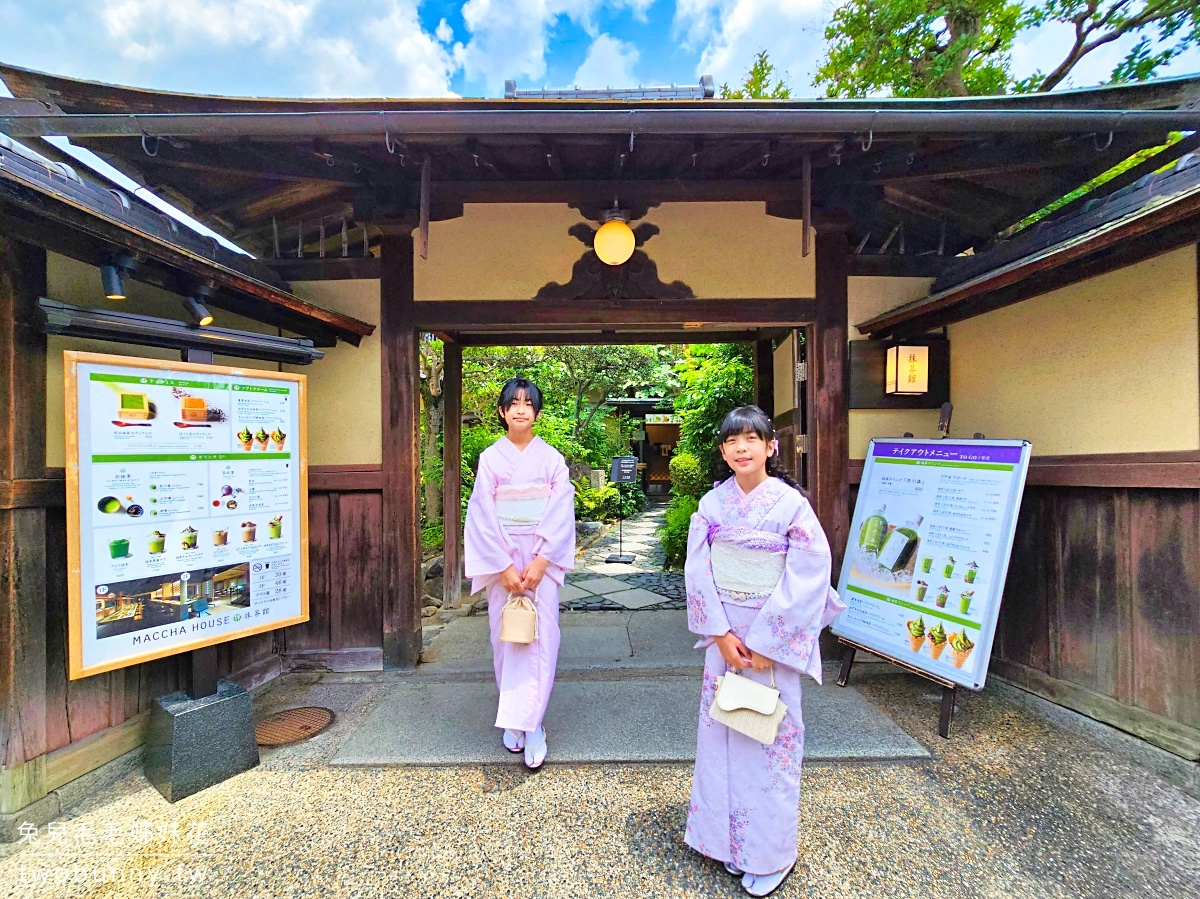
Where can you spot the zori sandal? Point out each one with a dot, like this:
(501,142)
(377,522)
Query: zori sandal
(535,749)
(765,884)
(514,740)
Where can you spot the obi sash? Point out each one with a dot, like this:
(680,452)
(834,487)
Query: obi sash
(520,507)
(747,564)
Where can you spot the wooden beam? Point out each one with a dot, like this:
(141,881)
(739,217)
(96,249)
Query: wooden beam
(598,338)
(452,557)
(22,530)
(345,478)
(828,397)
(764,376)
(400,374)
(33,493)
(477,316)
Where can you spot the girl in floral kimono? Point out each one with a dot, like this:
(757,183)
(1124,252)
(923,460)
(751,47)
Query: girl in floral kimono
(520,538)
(758,593)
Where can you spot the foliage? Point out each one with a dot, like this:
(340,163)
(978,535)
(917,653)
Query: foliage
(688,476)
(716,378)
(633,500)
(957,48)
(674,532)
(757,85)
(577,379)
(432,535)
(591,504)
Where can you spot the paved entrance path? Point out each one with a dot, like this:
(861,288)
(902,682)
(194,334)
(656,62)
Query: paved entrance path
(597,584)
(628,691)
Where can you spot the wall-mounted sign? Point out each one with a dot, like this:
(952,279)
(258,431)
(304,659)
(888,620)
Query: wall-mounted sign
(929,547)
(663,418)
(187,506)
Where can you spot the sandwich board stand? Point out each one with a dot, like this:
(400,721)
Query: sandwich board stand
(930,541)
(165,461)
(624,471)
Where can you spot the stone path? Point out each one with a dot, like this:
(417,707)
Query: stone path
(599,585)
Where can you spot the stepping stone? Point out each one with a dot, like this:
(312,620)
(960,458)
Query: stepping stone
(570,592)
(612,568)
(601,586)
(637,598)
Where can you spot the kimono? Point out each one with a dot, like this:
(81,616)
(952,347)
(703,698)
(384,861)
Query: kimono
(773,562)
(523,505)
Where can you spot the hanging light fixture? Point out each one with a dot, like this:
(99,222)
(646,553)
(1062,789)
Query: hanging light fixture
(200,315)
(614,242)
(112,276)
(907,370)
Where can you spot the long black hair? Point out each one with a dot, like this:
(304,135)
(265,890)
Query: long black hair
(752,420)
(512,389)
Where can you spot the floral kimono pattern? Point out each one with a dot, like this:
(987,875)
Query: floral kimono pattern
(745,796)
(522,506)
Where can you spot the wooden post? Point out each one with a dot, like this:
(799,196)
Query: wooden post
(764,376)
(22,527)
(452,475)
(401,403)
(829,398)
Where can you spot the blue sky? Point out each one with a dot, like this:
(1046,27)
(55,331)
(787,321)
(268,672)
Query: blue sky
(440,47)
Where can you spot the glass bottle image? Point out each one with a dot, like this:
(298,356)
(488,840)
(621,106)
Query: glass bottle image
(900,545)
(870,535)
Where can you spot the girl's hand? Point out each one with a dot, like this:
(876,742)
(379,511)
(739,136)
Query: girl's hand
(759,662)
(733,650)
(510,579)
(534,573)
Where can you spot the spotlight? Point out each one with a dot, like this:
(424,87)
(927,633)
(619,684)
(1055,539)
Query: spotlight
(199,314)
(114,272)
(110,277)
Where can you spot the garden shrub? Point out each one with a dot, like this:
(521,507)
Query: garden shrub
(596,505)
(688,477)
(674,532)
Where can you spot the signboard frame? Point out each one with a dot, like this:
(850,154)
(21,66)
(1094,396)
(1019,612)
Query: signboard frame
(72,359)
(991,602)
(623,470)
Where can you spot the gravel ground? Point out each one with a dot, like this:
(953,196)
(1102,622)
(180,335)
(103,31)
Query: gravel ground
(1012,806)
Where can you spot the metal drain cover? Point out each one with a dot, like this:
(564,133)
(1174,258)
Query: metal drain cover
(292,725)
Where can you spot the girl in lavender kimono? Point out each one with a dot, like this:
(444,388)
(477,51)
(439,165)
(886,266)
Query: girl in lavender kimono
(520,538)
(758,593)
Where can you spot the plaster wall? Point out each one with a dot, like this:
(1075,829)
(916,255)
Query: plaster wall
(510,251)
(1106,365)
(77,283)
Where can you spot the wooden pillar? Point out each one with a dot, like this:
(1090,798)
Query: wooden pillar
(828,390)
(22,527)
(452,475)
(401,454)
(764,376)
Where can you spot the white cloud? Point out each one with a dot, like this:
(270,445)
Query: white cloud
(444,32)
(609,63)
(146,29)
(510,38)
(730,32)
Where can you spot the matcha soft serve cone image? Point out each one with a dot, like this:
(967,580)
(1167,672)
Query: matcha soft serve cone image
(960,648)
(937,640)
(245,438)
(277,439)
(916,633)
(261,438)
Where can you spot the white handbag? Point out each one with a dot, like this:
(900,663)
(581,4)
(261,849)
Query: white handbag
(748,707)
(518,619)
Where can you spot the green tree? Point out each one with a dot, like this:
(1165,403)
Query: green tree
(716,378)
(935,48)
(585,376)
(757,85)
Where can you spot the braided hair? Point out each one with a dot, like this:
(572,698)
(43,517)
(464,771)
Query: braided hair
(746,420)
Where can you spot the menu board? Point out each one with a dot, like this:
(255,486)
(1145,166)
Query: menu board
(929,545)
(187,518)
